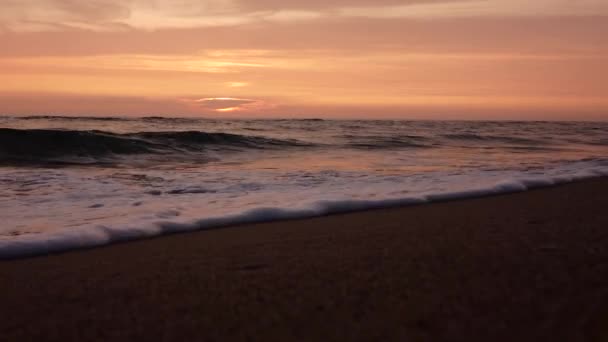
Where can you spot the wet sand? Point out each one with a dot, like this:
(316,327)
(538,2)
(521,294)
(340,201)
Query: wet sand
(530,266)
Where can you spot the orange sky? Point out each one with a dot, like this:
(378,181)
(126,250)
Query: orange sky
(436,59)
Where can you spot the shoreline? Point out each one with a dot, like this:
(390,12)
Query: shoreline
(524,266)
(68,240)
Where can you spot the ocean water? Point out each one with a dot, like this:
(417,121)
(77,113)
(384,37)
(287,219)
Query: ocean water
(70,183)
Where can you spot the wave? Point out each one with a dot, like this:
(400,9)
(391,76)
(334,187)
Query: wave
(44,146)
(158,119)
(599,142)
(379,142)
(27,245)
(73,118)
(492,138)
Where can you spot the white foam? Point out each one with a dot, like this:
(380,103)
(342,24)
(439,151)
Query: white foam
(93,236)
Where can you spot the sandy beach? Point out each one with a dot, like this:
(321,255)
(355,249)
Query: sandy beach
(530,266)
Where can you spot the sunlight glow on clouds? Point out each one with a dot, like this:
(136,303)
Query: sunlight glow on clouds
(237,84)
(286,57)
(483,8)
(226,104)
(110,15)
(104,15)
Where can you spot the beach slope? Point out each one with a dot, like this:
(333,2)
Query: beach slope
(528,266)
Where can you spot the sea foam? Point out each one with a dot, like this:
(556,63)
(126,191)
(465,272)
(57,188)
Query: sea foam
(95,236)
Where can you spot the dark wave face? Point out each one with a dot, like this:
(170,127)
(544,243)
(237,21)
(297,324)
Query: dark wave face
(48,146)
(379,142)
(101,118)
(493,138)
(107,141)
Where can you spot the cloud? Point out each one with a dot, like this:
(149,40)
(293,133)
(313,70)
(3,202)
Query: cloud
(325,4)
(356,53)
(53,15)
(54,104)
(32,103)
(522,35)
(225,104)
(482,8)
(236,84)
(207,63)
(101,105)
(115,15)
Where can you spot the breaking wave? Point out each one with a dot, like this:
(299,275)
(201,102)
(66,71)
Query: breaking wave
(33,146)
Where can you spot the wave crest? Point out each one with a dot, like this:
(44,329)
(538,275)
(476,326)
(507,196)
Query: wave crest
(44,146)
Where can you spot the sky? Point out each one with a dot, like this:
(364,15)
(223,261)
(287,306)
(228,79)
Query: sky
(410,59)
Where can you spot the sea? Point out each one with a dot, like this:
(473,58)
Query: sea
(81,182)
